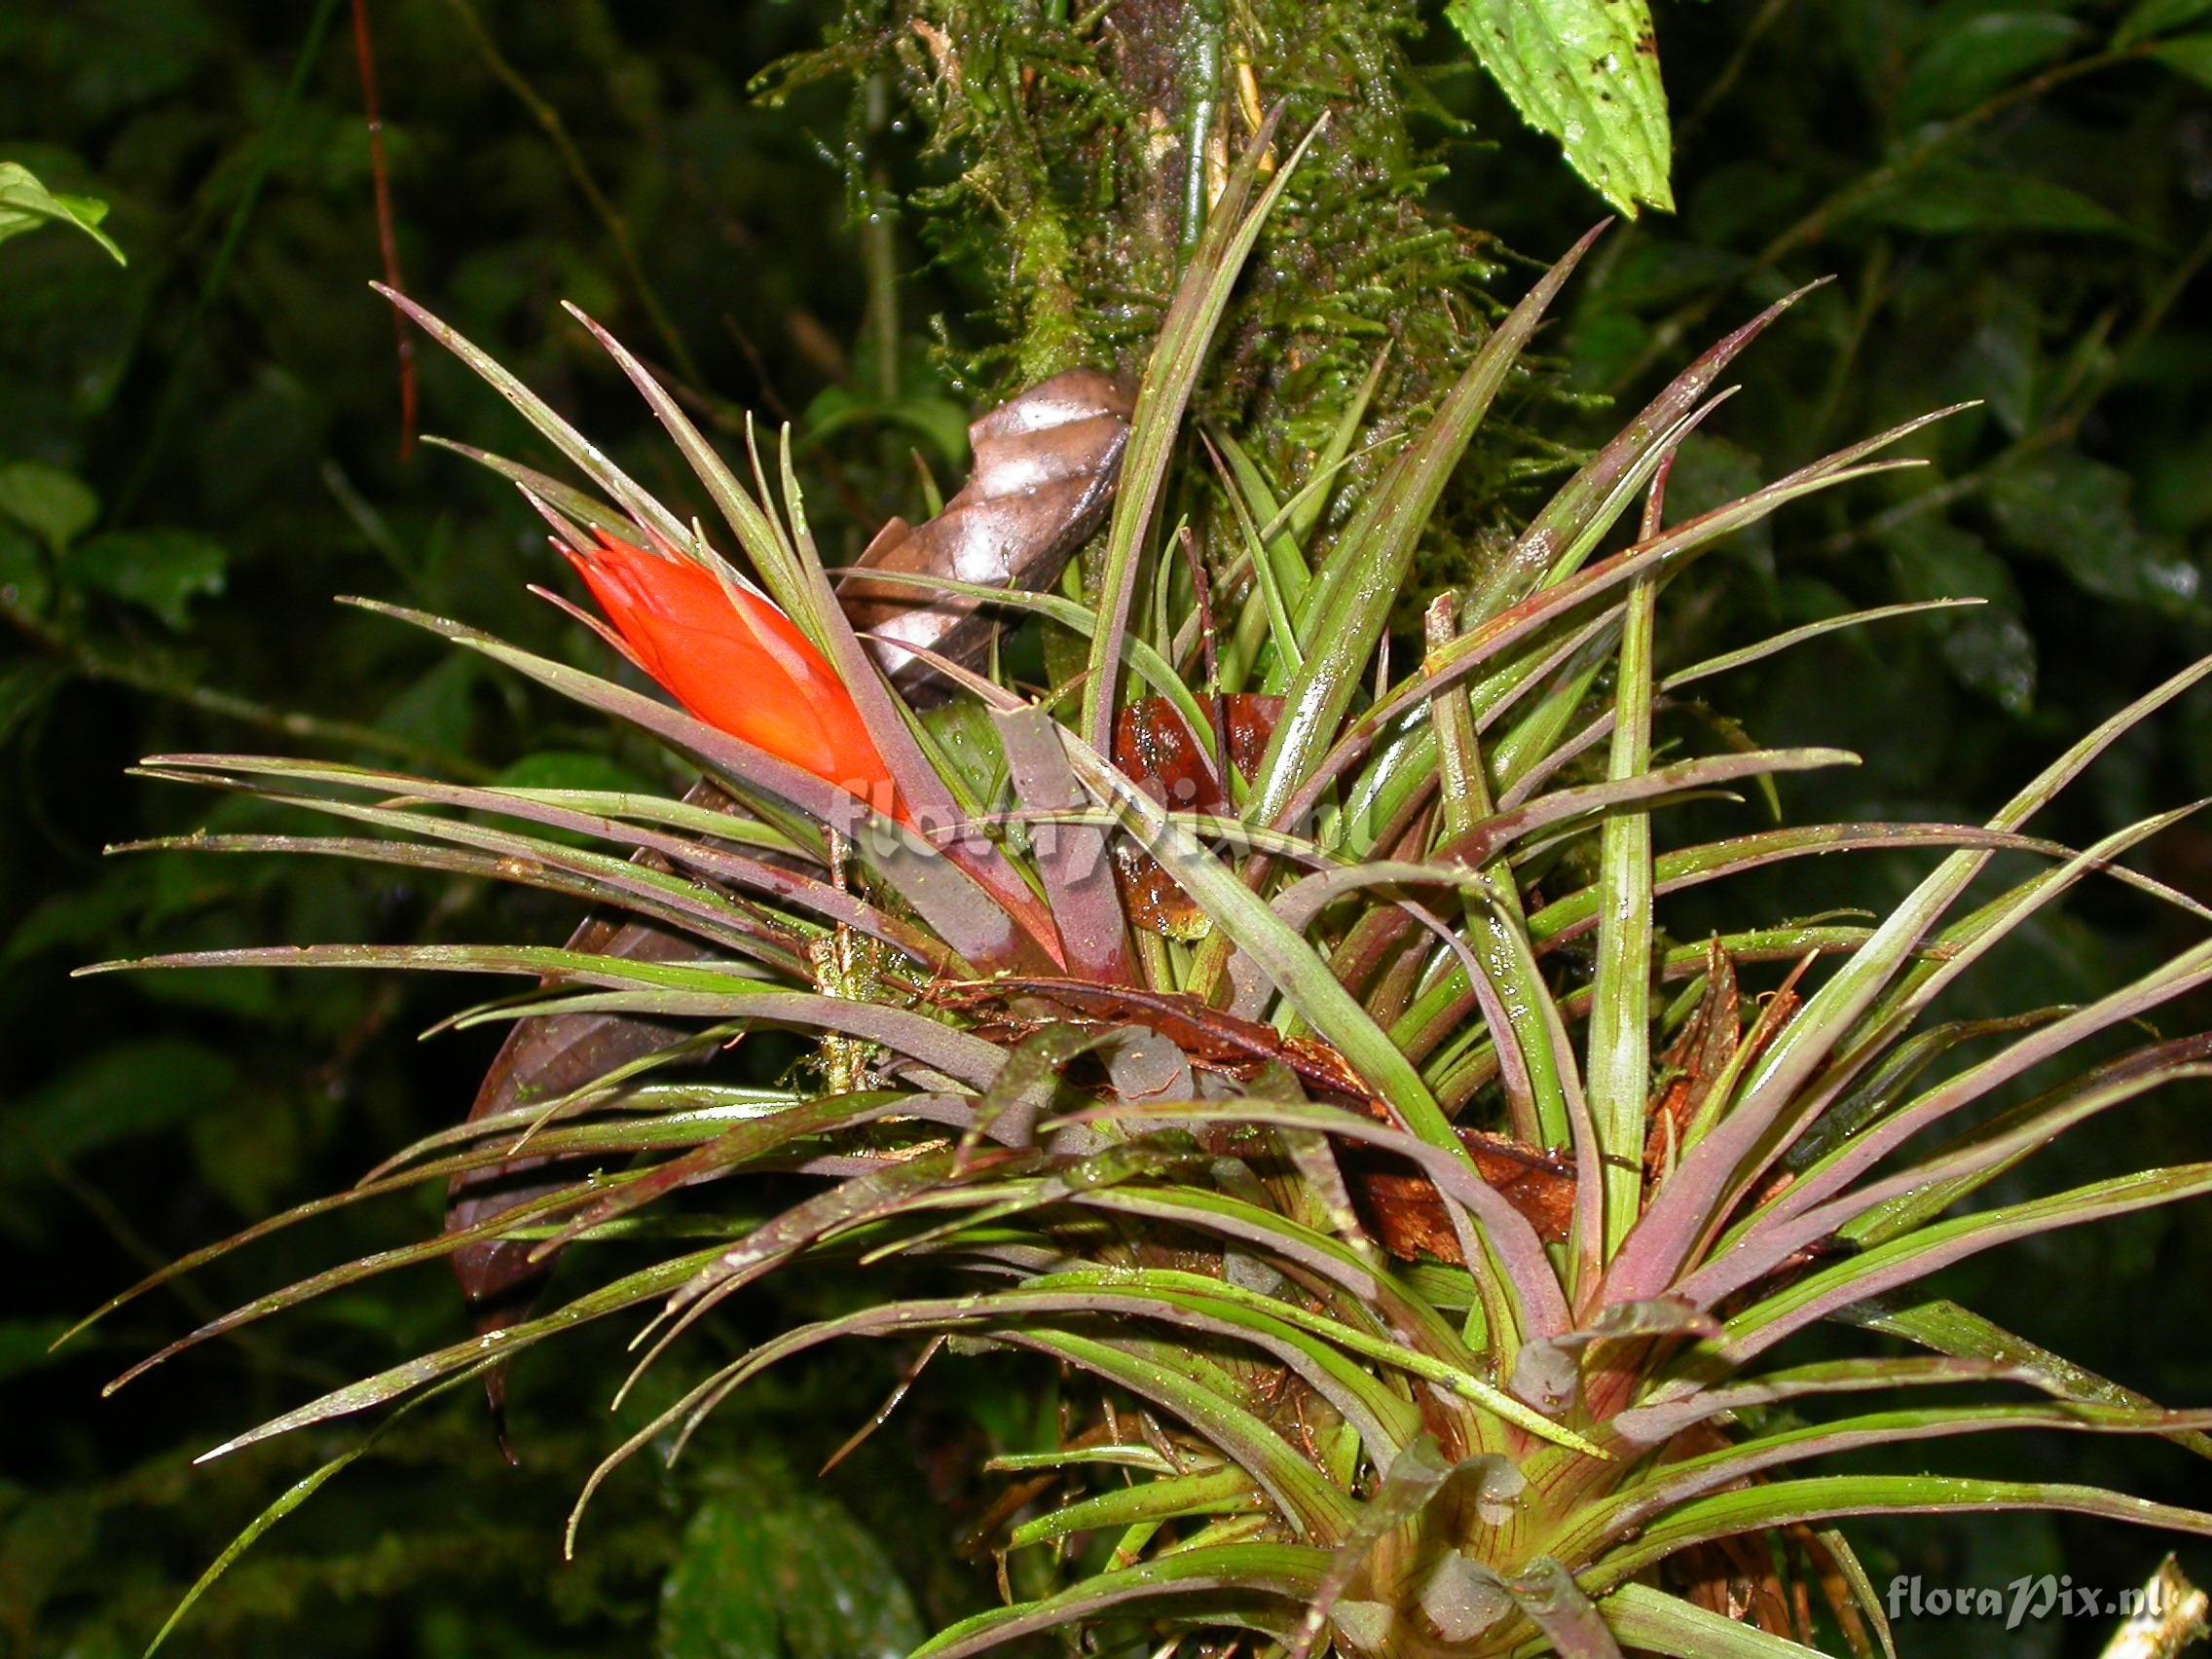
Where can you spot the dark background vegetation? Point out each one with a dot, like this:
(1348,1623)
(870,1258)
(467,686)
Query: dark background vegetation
(198,450)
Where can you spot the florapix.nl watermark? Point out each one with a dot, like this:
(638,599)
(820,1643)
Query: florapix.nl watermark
(2042,1596)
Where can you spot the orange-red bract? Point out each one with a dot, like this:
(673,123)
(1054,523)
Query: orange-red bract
(735,662)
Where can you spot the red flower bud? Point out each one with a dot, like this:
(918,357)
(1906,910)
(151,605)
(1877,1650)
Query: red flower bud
(735,662)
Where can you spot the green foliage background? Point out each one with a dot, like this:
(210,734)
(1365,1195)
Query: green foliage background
(197,450)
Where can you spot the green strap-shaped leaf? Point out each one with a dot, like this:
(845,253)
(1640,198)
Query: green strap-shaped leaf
(1833,1496)
(1587,73)
(1220,1584)
(1651,1621)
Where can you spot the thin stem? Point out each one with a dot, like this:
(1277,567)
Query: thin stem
(219,270)
(1725,83)
(616,226)
(1667,338)
(139,675)
(879,248)
(2061,427)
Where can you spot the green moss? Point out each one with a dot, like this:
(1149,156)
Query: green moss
(1067,157)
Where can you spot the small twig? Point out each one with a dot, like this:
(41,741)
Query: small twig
(616,226)
(2060,428)
(370,523)
(1874,293)
(219,270)
(1725,83)
(90,664)
(1667,337)
(140,1250)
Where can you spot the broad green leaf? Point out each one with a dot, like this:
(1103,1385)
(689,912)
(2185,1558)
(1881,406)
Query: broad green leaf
(26,586)
(123,1089)
(161,571)
(56,506)
(26,205)
(1982,54)
(1941,201)
(1989,648)
(1586,72)
(2148,17)
(2080,513)
(772,1570)
(2191,55)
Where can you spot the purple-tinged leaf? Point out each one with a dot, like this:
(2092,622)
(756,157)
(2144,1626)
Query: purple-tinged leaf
(1214,1492)
(1917,1193)
(696,912)
(1575,913)
(1298,1251)
(1946,1328)
(1448,665)
(793,572)
(723,990)
(1588,502)
(1676,1484)
(1415,1476)
(1650,1426)
(497,1346)
(1186,336)
(774,881)
(1540,1306)
(1690,1206)
(1562,1611)
(1071,859)
(1348,604)
(1912,1258)
(1841,1497)
(587,456)
(1835,1171)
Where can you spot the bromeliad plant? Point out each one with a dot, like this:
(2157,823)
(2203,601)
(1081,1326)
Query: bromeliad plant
(1282,1038)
